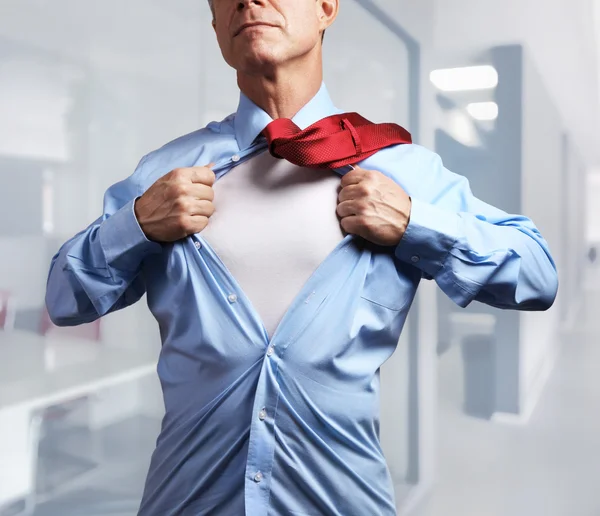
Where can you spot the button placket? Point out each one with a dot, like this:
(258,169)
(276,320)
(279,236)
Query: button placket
(261,446)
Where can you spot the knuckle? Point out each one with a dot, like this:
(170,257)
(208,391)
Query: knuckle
(364,189)
(177,173)
(180,190)
(183,222)
(207,208)
(181,203)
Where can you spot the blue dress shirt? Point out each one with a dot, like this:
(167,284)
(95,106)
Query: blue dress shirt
(287,425)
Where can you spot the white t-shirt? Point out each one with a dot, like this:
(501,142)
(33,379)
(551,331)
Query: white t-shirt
(273,226)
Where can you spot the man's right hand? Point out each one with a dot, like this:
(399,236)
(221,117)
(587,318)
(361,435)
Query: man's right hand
(179,204)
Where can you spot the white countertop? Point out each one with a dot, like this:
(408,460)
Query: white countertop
(38,371)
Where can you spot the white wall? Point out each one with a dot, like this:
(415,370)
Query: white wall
(593,207)
(560,38)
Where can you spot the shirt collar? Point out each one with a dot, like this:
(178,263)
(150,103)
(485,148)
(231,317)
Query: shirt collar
(250,119)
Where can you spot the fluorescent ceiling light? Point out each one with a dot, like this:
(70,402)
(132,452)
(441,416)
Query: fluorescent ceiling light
(483,110)
(465,78)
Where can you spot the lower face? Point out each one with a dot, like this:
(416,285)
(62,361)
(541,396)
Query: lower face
(262,47)
(259,46)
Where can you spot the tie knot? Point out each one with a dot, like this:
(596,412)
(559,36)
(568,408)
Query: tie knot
(333,142)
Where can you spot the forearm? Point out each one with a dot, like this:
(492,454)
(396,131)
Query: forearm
(97,271)
(505,263)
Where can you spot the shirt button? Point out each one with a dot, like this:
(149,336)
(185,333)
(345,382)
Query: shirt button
(262,415)
(258,477)
(198,245)
(415,259)
(232,298)
(235,158)
(270,351)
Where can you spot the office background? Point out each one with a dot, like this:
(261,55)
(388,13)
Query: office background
(483,411)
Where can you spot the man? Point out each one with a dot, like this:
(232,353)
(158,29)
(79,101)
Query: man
(279,288)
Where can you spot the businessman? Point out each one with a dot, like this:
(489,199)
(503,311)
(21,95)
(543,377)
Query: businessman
(280,250)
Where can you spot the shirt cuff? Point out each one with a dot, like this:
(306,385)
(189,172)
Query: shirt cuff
(430,235)
(123,241)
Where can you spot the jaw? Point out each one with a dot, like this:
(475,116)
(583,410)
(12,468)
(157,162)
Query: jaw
(258,55)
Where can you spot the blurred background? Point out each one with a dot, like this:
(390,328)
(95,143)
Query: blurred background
(484,412)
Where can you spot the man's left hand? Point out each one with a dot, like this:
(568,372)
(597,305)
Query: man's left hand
(373,206)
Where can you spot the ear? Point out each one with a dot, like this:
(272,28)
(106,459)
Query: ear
(327,12)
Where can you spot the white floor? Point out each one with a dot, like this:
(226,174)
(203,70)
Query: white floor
(549,467)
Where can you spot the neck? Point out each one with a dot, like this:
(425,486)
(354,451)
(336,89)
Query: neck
(284,91)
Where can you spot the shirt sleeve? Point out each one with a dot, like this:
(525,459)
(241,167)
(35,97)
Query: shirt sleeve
(473,250)
(97,270)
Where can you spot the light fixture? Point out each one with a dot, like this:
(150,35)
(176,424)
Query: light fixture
(465,78)
(483,110)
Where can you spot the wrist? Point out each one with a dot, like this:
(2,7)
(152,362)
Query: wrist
(138,214)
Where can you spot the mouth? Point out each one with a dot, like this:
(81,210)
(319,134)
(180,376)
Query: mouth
(249,25)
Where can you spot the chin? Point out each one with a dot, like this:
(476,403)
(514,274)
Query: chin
(259,60)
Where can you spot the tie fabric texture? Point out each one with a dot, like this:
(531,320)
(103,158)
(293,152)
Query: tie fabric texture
(333,142)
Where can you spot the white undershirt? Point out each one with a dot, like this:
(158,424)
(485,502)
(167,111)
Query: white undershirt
(273,226)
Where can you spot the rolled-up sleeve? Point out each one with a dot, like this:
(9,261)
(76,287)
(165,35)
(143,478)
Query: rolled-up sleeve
(124,243)
(473,250)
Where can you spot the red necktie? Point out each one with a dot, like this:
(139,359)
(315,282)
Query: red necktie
(333,142)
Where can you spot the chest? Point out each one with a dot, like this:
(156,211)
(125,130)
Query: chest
(274,224)
(268,209)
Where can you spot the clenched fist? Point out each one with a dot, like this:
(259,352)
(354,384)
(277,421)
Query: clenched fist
(179,204)
(373,206)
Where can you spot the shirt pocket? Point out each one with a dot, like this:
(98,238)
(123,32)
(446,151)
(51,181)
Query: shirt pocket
(390,283)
